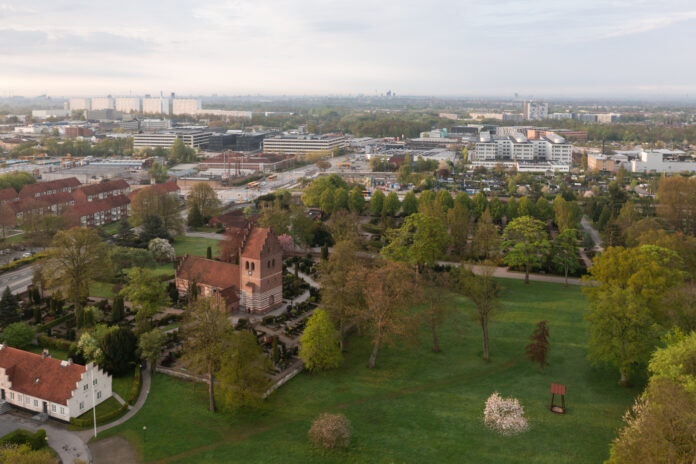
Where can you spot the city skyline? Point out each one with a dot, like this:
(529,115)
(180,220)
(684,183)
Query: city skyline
(577,49)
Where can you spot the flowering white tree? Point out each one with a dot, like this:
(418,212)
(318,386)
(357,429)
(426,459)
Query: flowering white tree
(161,249)
(504,415)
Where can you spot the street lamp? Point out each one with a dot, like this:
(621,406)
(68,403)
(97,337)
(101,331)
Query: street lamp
(144,439)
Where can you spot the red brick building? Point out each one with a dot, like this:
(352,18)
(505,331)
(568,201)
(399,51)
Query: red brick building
(101,190)
(51,187)
(255,285)
(98,212)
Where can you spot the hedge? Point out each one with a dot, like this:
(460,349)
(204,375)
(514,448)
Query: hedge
(135,389)
(103,419)
(54,322)
(21,262)
(52,342)
(23,437)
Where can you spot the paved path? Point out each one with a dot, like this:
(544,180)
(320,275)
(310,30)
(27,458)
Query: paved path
(211,235)
(85,435)
(505,273)
(68,445)
(587,227)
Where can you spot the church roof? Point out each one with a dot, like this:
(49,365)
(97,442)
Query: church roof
(208,272)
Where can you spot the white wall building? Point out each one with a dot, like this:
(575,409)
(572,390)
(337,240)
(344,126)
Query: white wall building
(666,161)
(128,104)
(191,138)
(46,385)
(45,114)
(182,106)
(80,104)
(303,143)
(157,105)
(535,110)
(547,153)
(103,103)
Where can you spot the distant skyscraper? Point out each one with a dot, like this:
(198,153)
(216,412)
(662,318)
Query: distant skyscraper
(102,103)
(185,106)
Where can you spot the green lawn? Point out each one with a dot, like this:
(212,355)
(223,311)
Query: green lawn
(123,384)
(111,404)
(110,229)
(55,353)
(101,289)
(416,406)
(194,245)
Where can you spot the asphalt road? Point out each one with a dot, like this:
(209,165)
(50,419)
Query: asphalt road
(18,281)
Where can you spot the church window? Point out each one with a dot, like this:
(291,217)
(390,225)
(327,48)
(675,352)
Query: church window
(246,266)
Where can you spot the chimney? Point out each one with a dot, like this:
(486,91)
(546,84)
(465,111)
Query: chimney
(69,361)
(44,353)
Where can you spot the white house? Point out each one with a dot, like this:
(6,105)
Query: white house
(60,389)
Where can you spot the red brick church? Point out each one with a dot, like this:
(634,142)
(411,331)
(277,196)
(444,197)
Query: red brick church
(254,285)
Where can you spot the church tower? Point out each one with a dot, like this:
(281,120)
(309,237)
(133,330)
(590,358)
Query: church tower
(260,271)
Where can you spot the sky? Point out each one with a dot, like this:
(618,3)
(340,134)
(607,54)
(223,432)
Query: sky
(540,48)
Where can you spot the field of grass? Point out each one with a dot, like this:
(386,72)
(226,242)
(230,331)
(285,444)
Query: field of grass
(55,353)
(416,406)
(195,246)
(123,384)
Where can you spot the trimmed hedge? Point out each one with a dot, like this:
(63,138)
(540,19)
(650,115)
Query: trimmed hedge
(52,342)
(135,389)
(23,437)
(54,322)
(103,419)
(21,262)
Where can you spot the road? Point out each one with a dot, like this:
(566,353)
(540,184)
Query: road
(19,280)
(587,227)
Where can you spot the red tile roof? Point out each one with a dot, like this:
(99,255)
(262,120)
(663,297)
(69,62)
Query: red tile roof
(8,194)
(27,203)
(31,190)
(233,219)
(96,189)
(166,187)
(90,207)
(55,382)
(259,242)
(208,272)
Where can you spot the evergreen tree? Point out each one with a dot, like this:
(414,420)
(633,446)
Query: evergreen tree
(209,253)
(8,308)
(538,348)
(356,201)
(195,218)
(377,203)
(117,310)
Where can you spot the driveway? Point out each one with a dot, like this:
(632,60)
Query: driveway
(67,444)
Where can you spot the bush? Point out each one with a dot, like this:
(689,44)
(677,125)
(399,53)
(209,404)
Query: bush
(18,335)
(504,415)
(59,320)
(330,431)
(55,343)
(23,437)
(135,389)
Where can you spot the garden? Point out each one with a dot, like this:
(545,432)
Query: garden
(417,406)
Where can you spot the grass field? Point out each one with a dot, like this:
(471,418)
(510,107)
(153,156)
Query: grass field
(55,353)
(194,245)
(416,406)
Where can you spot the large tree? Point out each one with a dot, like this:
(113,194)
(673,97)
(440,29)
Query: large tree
(205,200)
(18,335)
(526,243)
(8,308)
(118,347)
(677,198)
(151,202)
(391,205)
(147,293)
(567,214)
(377,202)
(410,203)
(486,240)
(243,372)
(150,347)
(356,201)
(564,251)
(320,343)
(78,257)
(484,292)
(181,153)
(458,222)
(421,241)
(207,337)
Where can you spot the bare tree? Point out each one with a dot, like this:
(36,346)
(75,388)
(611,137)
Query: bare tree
(484,292)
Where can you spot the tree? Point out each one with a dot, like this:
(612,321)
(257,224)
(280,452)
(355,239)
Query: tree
(125,234)
(8,308)
(327,201)
(486,240)
(480,204)
(24,454)
(538,347)
(421,241)
(497,209)
(153,227)
(356,202)
(152,202)
(243,373)
(18,335)
(434,294)
(458,223)
(180,153)
(207,337)
(410,204)
(195,218)
(147,293)
(78,257)
(338,297)
(444,200)
(150,347)
(320,343)
(344,226)
(161,250)
(117,310)
(677,198)
(118,347)
(676,361)
(392,205)
(543,210)
(323,165)
(564,252)
(484,292)
(376,203)
(340,199)
(204,198)
(386,296)
(567,214)
(158,172)
(526,243)
(8,218)
(312,194)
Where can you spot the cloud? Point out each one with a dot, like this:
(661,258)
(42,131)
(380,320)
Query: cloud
(36,43)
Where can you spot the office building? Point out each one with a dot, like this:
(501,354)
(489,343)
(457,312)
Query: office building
(189,106)
(45,114)
(103,103)
(158,105)
(303,143)
(535,111)
(128,104)
(80,104)
(165,139)
(155,124)
(550,152)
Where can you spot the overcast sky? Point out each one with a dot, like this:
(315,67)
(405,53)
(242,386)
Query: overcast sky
(564,48)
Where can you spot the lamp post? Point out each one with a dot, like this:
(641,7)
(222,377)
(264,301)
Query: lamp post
(144,439)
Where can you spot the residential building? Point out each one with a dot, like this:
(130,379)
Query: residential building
(128,104)
(102,190)
(155,124)
(191,137)
(550,152)
(104,114)
(80,104)
(98,212)
(535,111)
(663,161)
(227,114)
(41,189)
(45,114)
(189,106)
(103,103)
(301,144)
(71,132)
(157,105)
(28,208)
(8,195)
(255,285)
(42,384)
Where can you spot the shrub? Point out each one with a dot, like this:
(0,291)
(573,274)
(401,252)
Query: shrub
(54,343)
(330,431)
(23,437)
(59,320)
(504,415)
(135,389)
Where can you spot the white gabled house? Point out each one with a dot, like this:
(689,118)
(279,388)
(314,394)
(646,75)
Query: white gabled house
(60,389)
